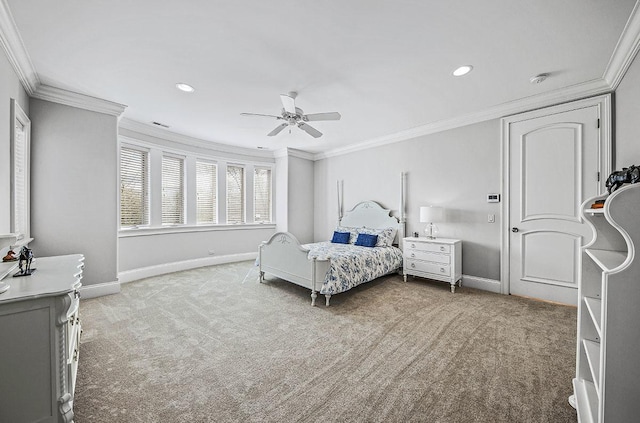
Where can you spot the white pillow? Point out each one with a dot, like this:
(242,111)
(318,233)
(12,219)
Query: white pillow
(385,236)
(352,231)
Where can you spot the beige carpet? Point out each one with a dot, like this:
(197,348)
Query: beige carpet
(209,345)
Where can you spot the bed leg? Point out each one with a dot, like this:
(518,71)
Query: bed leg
(327,297)
(313,298)
(261,277)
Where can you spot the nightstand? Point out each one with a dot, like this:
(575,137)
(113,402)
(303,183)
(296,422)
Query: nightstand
(439,259)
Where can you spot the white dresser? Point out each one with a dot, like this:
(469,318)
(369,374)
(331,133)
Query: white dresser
(439,259)
(39,334)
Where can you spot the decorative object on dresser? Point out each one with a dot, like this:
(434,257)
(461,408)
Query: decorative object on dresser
(439,259)
(428,215)
(607,382)
(26,257)
(40,332)
(628,175)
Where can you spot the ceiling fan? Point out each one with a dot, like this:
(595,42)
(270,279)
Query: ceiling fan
(294,116)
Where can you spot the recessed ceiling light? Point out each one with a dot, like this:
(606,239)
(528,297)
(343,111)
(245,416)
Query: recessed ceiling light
(462,70)
(185,87)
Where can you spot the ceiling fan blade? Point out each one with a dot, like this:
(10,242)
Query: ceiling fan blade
(260,114)
(288,103)
(322,116)
(278,129)
(310,130)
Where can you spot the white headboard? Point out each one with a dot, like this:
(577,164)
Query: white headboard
(371,215)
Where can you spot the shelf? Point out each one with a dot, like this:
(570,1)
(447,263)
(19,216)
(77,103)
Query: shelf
(606,259)
(594,306)
(594,212)
(586,400)
(592,349)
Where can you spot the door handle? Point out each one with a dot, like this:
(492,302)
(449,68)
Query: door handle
(515,230)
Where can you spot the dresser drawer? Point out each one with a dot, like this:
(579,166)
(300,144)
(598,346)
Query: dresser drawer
(427,246)
(421,266)
(428,256)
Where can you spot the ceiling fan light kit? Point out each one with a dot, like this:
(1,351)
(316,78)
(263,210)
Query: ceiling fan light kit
(294,116)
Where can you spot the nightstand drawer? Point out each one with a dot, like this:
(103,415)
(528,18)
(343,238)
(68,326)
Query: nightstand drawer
(421,266)
(428,256)
(427,246)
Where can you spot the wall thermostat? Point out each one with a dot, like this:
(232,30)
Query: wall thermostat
(493,198)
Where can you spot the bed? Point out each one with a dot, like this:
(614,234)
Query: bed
(330,268)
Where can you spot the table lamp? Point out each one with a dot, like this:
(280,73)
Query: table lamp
(428,215)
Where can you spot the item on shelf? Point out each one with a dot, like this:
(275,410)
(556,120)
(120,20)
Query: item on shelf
(26,256)
(598,204)
(628,175)
(11,256)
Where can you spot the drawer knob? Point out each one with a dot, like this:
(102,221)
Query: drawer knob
(413,265)
(413,255)
(442,269)
(441,248)
(413,245)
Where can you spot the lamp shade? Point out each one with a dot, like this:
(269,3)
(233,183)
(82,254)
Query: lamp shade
(430,214)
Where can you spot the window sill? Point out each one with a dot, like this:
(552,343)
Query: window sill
(159,230)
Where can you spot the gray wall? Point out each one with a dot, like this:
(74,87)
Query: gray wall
(300,198)
(455,169)
(73,186)
(10,87)
(627,121)
(294,196)
(137,252)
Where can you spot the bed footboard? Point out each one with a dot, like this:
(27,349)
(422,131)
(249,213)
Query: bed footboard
(284,257)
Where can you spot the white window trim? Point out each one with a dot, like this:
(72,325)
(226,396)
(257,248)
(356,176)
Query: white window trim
(217,189)
(142,149)
(256,167)
(182,158)
(19,116)
(221,162)
(244,192)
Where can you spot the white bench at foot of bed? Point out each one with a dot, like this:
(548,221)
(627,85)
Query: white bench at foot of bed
(284,257)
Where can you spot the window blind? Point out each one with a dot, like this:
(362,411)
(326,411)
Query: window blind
(235,194)
(206,185)
(20,181)
(172,190)
(134,187)
(262,195)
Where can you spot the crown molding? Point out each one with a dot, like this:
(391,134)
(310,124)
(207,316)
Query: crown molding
(625,51)
(15,50)
(575,92)
(81,101)
(164,134)
(292,152)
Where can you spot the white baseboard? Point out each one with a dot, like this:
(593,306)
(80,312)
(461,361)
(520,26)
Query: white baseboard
(161,269)
(99,289)
(482,283)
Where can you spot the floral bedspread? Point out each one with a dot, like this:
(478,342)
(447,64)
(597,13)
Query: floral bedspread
(352,265)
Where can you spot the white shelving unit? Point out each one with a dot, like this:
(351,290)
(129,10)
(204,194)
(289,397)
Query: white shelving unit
(607,383)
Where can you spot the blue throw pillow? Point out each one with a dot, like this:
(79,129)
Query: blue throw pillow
(340,237)
(367,240)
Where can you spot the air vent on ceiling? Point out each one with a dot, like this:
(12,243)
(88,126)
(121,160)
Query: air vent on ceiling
(160,124)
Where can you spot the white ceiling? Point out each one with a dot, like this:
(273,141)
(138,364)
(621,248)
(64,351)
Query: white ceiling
(384,65)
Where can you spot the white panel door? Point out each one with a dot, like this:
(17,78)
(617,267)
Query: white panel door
(554,165)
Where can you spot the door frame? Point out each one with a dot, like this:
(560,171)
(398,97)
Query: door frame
(603,102)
